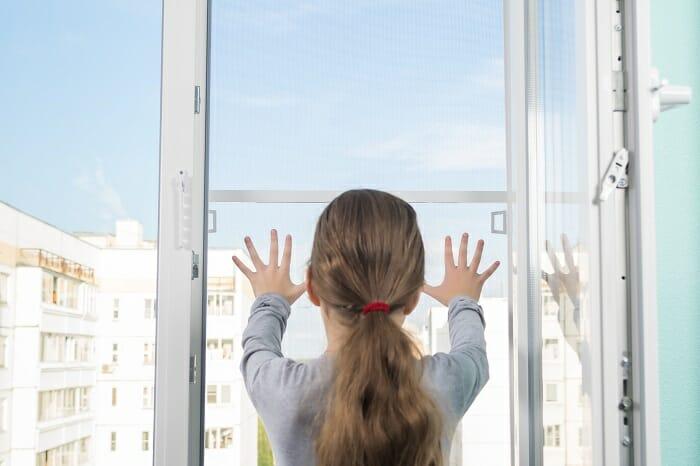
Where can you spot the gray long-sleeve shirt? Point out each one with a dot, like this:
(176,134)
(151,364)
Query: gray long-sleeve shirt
(288,394)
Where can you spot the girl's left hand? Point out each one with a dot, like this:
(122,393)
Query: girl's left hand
(272,277)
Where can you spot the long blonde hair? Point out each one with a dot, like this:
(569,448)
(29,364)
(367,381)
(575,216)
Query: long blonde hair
(367,247)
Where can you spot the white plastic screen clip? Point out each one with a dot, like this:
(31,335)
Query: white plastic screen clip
(615,172)
(183,189)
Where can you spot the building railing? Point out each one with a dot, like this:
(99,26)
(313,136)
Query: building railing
(54,262)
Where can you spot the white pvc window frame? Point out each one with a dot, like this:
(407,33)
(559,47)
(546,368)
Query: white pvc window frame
(178,401)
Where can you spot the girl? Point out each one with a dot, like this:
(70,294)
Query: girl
(370,400)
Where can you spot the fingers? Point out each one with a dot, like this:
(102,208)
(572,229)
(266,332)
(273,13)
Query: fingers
(274,249)
(552,257)
(463,251)
(287,253)
(253,253)
(488,272)
(477,256)
(449,256)
(568,254)
(243,268)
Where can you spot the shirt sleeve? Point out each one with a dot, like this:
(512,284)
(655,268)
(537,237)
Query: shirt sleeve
(463,372)
(265,369)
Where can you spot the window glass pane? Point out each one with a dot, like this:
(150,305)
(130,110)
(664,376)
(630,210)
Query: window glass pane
(565,312)
(487,423)
(333,95)
(78,210)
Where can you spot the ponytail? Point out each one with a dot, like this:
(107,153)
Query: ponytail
(377,413)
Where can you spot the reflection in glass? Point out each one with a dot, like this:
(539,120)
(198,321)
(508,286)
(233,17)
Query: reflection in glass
(564,307)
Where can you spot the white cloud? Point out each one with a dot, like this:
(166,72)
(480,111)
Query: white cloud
(95,183)
(443,147)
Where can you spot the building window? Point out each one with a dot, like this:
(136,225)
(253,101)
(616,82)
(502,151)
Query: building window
(220,304)
(552,436)
(65,348)
(220,349)
(551,393)
(551,348)
(65,455)
(115,309)
(147,400)
(145,442)
(114,396)
(115,353)
(84,399)
(113,441)
(218,437)
(60,291)
(148,354)
(3,351)
(55,404)
(549,305)
(3,288)
(148,308)
(211,394)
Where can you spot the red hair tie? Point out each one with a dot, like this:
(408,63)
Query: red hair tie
(376,306)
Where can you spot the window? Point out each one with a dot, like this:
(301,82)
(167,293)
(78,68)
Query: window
(218,438)
(226,349)
(407,135)
(3,288)
(148,309)
(113,441)
(65,455)
(147,397)
(551,436)
(77,215)
(56,404)
(114,396)
(3,351)
(145,441)
(551,392)
(84,399)
(220,349)
(148,353)
(551,348)
(211,394)
(66,348)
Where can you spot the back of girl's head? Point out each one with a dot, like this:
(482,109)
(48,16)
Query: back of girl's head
(368,248)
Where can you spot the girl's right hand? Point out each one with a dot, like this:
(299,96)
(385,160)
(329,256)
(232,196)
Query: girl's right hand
(272,277)
(462,279)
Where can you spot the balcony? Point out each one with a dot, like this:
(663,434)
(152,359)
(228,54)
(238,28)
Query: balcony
(56,263)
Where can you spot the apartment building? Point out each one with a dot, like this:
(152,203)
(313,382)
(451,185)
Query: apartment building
(47,335)
(77,349)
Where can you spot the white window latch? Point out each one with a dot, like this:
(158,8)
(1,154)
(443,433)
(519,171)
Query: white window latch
(616,175)
(664,96)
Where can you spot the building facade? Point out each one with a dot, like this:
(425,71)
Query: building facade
(77,349)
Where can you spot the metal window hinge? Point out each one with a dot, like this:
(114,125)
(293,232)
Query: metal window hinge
(197,99)
(619,83)
(195,266)
(193,368)
(616,175)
